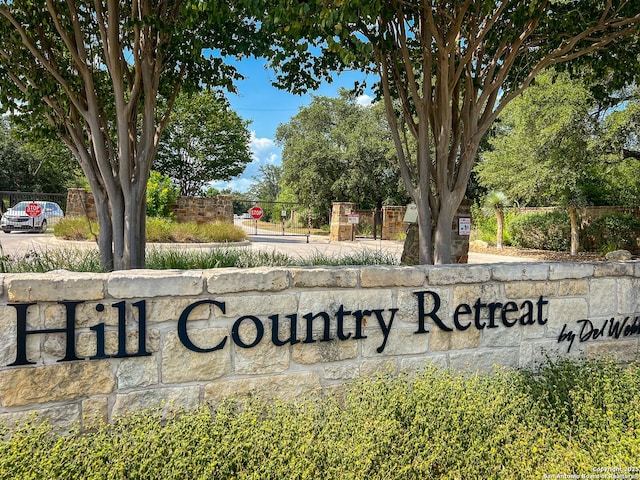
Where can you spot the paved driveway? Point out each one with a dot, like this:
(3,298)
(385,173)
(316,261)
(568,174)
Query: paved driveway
(18,243)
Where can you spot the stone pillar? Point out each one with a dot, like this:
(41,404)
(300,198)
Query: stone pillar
(80,203)
(392,222)
(459,243)
(341,229)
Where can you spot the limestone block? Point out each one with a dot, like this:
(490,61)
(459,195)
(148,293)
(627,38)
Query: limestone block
(530,290)
(162,310)
(561,271)
(263,358)
(504,337)
(386,276)
(64,418)
(535,353)
(565,311)
(487,293)
(613,269)
(572,288)
(379,366)
(166,399)
(137,372)
(343,371)
(95,411)
(439,340)
(620,351)
(399,342)
(455,274)
(324,352)
(408,305)
(259,305)
(53,383)
(618,255)
(86,345)
(325,277)
(603,297)
(418,364)
(284,387)
(87,314)
(628,296)
(53,287)
(151,283)
(520,272)
(181,365)
(231,280)
(484,361)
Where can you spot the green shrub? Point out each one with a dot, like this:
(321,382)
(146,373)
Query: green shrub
(162,230)
(159,230)
(565,419)
(543,231)
(485,226)
(161,195)
(611,232)
(76,228)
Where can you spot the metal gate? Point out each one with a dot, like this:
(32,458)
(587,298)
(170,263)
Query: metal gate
(272,218)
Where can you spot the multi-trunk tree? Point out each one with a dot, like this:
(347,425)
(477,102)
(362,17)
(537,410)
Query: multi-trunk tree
(446,70)
(104,75)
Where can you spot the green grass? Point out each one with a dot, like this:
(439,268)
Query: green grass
(569,418)
(88,260)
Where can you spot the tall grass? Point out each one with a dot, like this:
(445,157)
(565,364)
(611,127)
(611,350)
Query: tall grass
(161,230)
(88,260)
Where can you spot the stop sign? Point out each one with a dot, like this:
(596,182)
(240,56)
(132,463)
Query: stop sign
(256,212)
(33,209)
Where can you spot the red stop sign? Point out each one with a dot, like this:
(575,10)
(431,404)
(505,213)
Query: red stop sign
(33,209)
(256,212)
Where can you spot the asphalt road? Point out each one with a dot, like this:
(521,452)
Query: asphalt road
(19,243)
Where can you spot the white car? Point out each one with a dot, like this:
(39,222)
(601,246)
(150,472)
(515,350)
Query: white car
(16,217)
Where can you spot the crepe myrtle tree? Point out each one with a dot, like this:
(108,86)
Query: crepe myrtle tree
(104,75)
(446,70)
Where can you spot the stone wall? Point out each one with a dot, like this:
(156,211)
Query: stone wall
(80,347)
(80,203)
(204,209)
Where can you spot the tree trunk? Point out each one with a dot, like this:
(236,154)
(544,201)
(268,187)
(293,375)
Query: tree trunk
(575,232)
(500,228)
(442,237)
(425,242)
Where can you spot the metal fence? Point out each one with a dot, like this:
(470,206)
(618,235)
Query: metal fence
(272,218)
(9,199)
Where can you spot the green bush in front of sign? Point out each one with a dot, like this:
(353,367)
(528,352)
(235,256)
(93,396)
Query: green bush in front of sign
(568,418)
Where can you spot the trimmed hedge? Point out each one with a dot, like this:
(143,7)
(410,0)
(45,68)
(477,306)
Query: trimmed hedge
(612,232)
(569,418)
(542,231)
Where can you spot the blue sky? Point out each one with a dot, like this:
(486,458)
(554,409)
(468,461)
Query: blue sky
(267,107)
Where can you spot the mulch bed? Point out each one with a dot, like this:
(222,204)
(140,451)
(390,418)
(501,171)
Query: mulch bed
(542,254)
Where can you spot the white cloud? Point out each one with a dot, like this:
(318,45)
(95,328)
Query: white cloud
(264,152)
(364,100)
(260,145)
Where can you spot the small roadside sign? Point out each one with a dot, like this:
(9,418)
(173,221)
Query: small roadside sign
(33,210)
(256,212)
(353,218)
(464,226)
